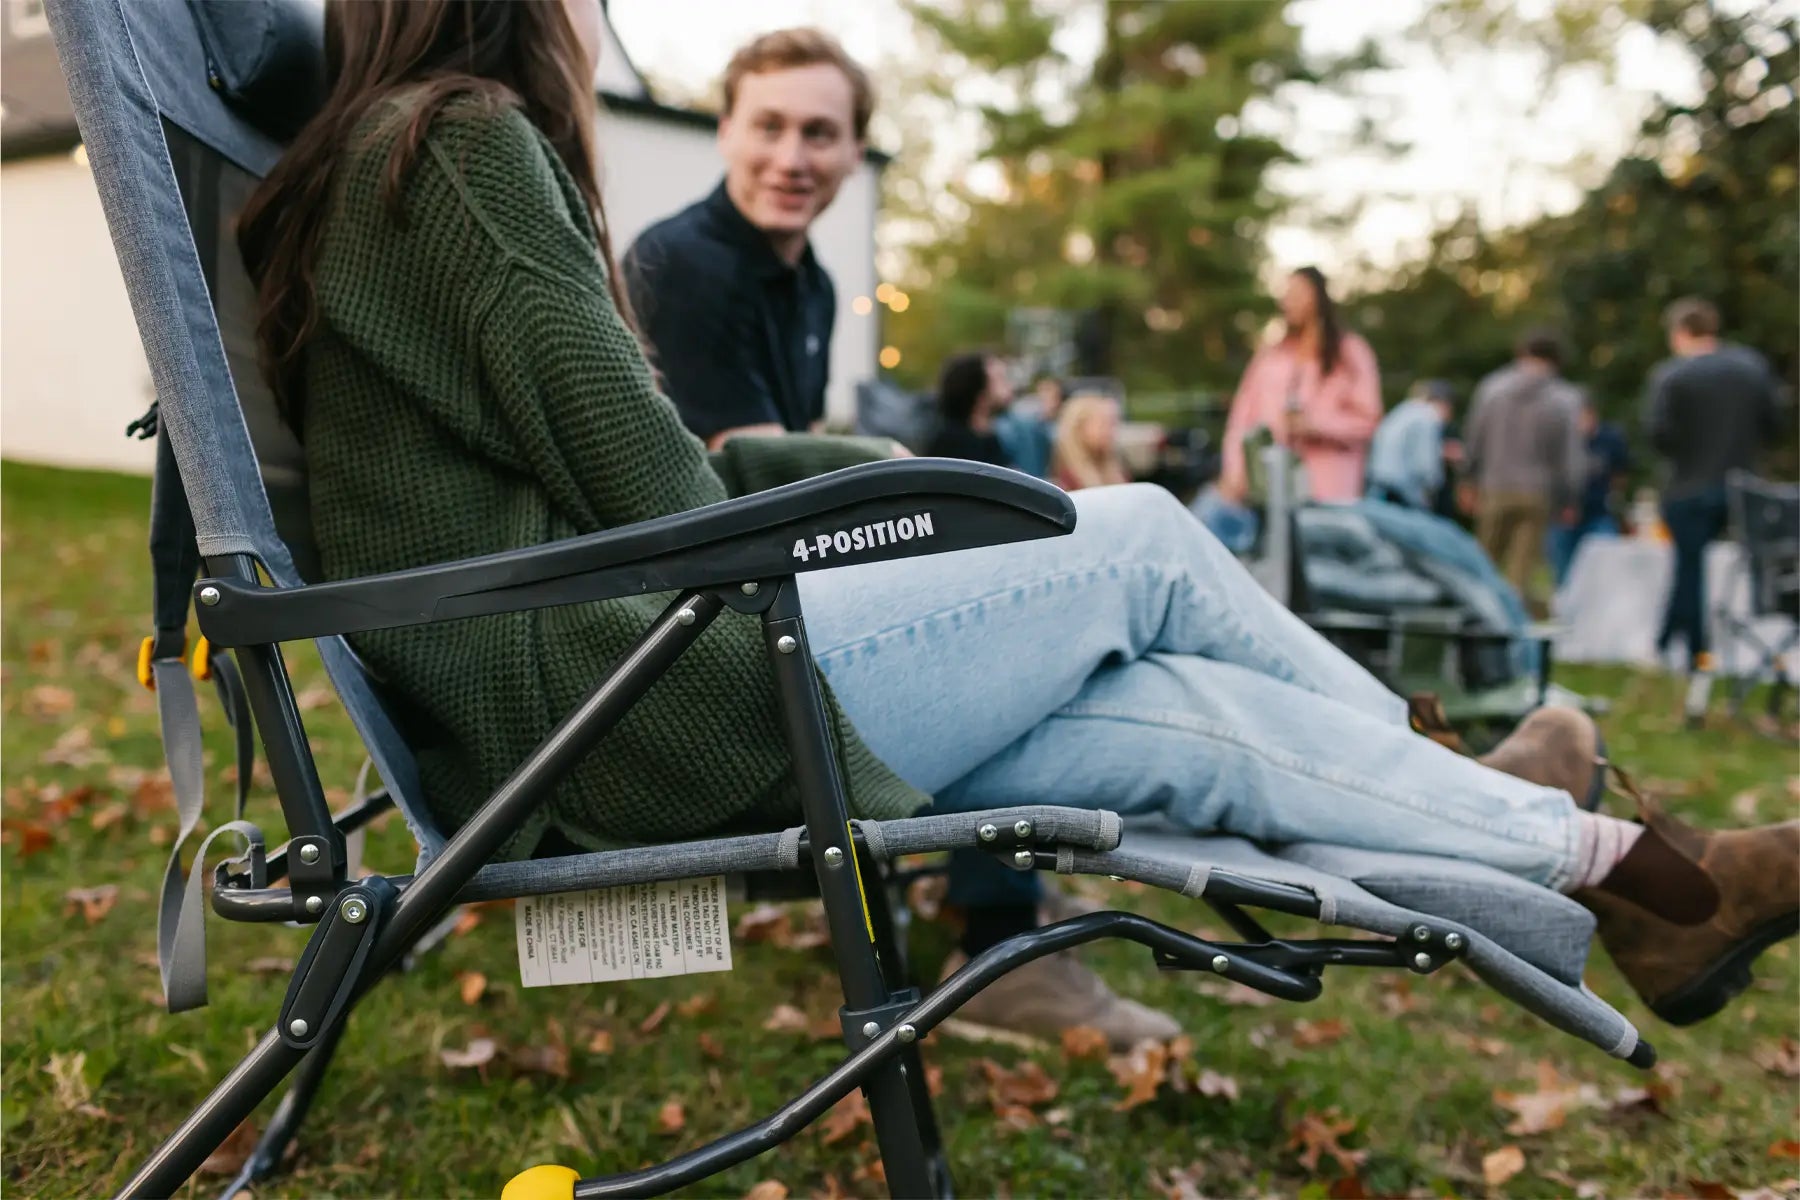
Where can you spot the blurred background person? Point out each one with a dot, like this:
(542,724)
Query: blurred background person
(1027,428)
(973,389)
(1608,458)
(1711,409)
(1317,390)
(1407,458)
(733,302)
(1087,444)
(1525,455)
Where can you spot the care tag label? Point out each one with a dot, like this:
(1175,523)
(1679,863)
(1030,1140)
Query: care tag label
(637,931)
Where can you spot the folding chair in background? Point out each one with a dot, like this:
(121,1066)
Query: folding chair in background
(181,109)
(1765,521)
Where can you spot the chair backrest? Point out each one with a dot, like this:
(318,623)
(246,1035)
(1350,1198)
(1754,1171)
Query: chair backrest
(182,109)
(1766,517)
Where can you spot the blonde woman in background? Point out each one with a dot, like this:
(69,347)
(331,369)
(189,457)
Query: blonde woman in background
(1087,444)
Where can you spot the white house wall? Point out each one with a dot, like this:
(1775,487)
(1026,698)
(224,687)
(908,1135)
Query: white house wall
(72,373)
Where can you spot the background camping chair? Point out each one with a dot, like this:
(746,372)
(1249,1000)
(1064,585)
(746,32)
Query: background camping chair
(1488,679)
(1765,520)
(180,108)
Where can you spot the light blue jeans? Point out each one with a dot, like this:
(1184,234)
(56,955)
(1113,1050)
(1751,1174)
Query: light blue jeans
(1134,665)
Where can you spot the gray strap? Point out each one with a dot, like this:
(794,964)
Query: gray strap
(873,839)
(789,847)
(1198,876)
(180,929)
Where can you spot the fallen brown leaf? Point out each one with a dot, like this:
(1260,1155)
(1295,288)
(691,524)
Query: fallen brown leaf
(155,794)
(1234,993)
(33,838)
(1140,1072)
(601,1042)
(1710,1189)
(551,1060)
(1397,996)
(1181,1183)
(1317,1134)
(653,1022)
(75,748)
(764,923)
(93,903)
(710,1046)
(48,700)
(671,1118)
(270,966)
(925,896)
(1744,806)
(693,1006)
(1211,1083)
(768,1189)
(470,985)
(1318,1033)
(478,1054)
(1502,1165)
(1025,1086)
(1347,1187)
(1083,1041)
(466,920)
(1786,1148)
(315,697)
(108,816)
(1783,1058)
(785,1018)
(1546,1108)
(232,1153)
(844,1118)
(71,1091)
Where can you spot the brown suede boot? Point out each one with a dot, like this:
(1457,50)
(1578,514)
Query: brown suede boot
(1684,972)
(1555,747)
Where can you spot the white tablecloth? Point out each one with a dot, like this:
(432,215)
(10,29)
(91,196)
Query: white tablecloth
(1611,604)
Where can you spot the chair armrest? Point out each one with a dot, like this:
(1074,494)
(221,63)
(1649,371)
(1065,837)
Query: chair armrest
(903,508)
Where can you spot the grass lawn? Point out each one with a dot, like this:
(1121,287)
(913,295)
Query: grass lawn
(1387,1085)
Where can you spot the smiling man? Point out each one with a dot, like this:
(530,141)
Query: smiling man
(737,310)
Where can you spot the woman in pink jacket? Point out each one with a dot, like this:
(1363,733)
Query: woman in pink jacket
(1317,390)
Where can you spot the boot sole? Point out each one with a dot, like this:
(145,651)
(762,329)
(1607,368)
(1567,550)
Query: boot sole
(1728,975)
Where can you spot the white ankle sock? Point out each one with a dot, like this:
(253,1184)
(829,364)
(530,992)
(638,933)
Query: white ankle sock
(1601,841)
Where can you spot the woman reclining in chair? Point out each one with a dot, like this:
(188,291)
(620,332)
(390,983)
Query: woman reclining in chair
(442,322)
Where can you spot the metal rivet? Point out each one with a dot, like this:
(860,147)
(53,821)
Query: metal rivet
(309,854)
(1221,964)
(315,904)
(1453,940)
(1422,961)
(1024,860)
(209,596)
(750,589)
(870,1028)
(786,645)
(987,833)
(1421,934)
(353,910)
(685,616)
(297,1027)
(834,857)
(907,1033)
(1023,829)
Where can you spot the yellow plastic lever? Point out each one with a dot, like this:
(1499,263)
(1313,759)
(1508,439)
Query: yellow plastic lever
(542,1182)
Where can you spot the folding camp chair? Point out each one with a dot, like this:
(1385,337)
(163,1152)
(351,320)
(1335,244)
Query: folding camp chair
(180,109)
(1468,665)
(1765,520)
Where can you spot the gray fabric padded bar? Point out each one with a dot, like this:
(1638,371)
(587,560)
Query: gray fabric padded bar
(635,864)
(1083,828)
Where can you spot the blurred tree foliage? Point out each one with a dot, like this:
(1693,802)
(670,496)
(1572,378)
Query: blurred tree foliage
(1705,204)
(1132,186)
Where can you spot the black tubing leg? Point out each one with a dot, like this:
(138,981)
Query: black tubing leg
(265,1161)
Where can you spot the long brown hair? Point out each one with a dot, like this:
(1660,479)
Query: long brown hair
(522,52)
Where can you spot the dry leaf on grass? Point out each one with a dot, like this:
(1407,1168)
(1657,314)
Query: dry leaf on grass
(1317,1134)
(693,1006)
(108,816)
(785,1018)
(768,1189)
(75,748)
(1234,993)
(48,700)
(844,1118)
(155,794)
(601,1042)
(478,1054)
(1745,804)
(1546,1108)
(470,985)
(1013,1093)
(32,838)
(1181,1183)
(1140,1071)
(653,1022)
(1786,1148)
(269,966)
(551,1060)
(1318,1033)
(466,920)
(1083,1041)
(1781,1189)
(316,697)
(671,1118)
(1347,1187)
(925,896)
(710,1046)
(93,903)
(1397,995)
(1502,1165)
(232,1153)
(1710,1189)
(1581,1189)
(774,923)
(1211,1083)
(1783,1058)
(68,1074)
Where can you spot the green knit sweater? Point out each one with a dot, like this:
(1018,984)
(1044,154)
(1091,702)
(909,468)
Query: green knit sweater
(473,389)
